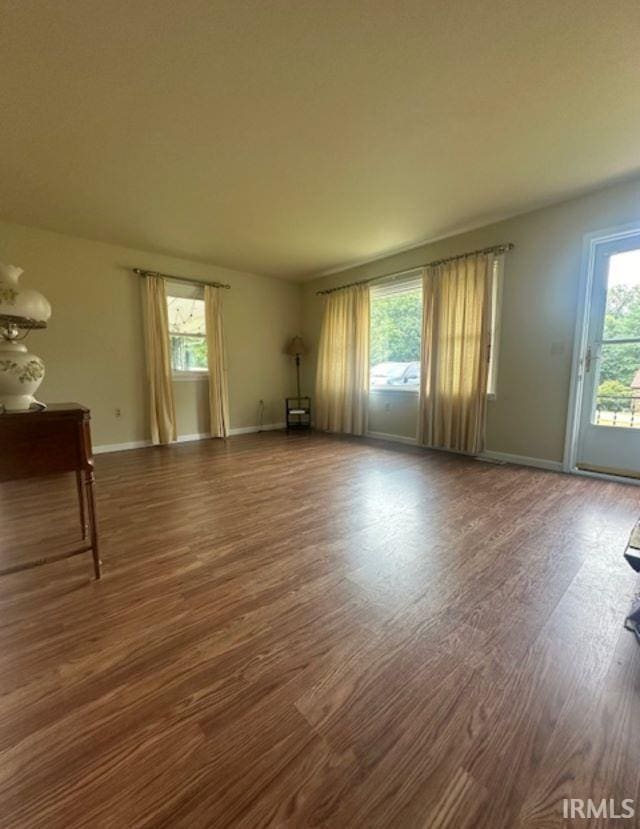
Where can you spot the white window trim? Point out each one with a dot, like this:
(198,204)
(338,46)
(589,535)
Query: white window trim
(590,243)
(408,281)
(395,390)
(193,375)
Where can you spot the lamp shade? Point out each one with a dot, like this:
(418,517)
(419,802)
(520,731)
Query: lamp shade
(295,347)
(22,307)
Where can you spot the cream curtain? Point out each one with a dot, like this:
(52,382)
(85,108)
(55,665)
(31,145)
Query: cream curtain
(342,378)
(218,394)
(161,402)
(456,331)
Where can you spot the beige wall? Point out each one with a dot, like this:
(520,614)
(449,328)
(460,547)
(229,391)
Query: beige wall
(529,414)
(94,345)
(393,413)
(94,349)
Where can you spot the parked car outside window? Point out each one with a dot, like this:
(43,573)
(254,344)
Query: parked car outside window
(395,375)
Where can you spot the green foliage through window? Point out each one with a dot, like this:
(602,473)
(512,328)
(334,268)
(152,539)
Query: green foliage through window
(396,323)
(188,353)
(619,364)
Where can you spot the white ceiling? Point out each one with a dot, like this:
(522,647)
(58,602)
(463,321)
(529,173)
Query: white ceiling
(287,137)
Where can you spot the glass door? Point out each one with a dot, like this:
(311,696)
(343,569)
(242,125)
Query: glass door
(609,439)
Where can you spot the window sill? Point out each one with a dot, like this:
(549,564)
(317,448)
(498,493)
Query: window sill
(394,390)
(186,376)
(400,390)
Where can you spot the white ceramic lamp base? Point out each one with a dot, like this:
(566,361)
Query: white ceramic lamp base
(20,376)
(21,310)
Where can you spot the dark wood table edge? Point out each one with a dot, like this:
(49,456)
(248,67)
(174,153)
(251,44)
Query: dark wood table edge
(85,488)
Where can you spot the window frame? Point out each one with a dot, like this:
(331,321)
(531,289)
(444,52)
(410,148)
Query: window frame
(497,287)
(192,374)
(403,283)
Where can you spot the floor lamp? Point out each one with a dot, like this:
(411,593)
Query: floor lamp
(296,348)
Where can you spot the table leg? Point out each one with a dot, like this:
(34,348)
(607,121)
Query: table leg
(83,516)
(93,526)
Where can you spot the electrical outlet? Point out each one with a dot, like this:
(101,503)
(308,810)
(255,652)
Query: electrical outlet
(118,412)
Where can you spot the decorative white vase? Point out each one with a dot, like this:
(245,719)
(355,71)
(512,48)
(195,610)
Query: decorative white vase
(20,376)
(20,371)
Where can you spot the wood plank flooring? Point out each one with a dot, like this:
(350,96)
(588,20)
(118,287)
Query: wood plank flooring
(312,631)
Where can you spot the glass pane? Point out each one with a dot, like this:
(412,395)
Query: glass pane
(622,315)
(618,393)
(186,316)
(188,353)
(396,324)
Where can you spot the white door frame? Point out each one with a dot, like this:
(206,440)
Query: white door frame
(590,243)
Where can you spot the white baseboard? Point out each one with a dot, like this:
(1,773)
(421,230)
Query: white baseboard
(120,447)
(141,444)
(603,476)
(247,430)
(489,455)
(197,436)
(521,460)
(392,438)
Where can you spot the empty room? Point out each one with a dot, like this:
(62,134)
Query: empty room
(319,414)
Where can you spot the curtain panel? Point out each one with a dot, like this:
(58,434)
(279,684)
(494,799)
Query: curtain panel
(456,332)
(216,357)
(162,408)
(342,378)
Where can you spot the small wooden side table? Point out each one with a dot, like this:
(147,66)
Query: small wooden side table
(298,412)
(55,440)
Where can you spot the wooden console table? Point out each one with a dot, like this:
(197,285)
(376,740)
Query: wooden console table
(55,440)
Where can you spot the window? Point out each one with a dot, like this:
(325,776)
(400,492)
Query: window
(617,396)
(396,328)
(187,334)
(396,331)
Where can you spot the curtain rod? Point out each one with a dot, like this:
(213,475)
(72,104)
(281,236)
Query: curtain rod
(493,249)
(141,272)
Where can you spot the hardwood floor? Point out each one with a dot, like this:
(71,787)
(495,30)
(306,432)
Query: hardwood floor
(306,630)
